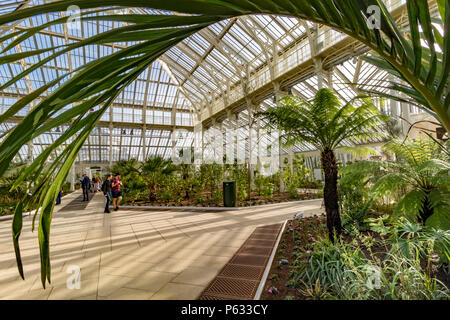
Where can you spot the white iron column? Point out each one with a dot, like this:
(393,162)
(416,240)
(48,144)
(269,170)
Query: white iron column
(198,140)
(406,114)
(279,94)
(258,139)
(111,127)
(251,160)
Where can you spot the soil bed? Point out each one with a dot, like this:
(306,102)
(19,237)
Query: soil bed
(255,200)
(295,246)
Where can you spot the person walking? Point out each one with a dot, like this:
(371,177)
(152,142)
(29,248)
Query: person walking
(116,192)
(107,189)
(94,180)
(58,198)
(99,184)
(85,184)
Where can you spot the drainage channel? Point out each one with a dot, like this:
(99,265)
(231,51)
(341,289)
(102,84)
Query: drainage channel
(240,278)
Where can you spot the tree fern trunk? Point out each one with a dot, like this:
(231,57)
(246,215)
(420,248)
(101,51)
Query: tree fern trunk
(152,195)
(427,210)
(329,165)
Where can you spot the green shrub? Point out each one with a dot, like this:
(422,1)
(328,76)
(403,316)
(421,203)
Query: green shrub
(420,177)
(343,271)
(297,176)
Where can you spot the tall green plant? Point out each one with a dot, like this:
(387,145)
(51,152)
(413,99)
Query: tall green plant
(326,124)
(153,171)
(212,176)
(133,183)
(98,83)
(297,176)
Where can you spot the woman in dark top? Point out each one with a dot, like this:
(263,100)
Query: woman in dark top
(107,189)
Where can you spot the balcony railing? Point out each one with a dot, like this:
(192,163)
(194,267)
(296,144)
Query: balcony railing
(291,59)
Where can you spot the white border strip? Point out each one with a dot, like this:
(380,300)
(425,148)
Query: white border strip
(220,208)
(26,214)
(269,264)
(10,216)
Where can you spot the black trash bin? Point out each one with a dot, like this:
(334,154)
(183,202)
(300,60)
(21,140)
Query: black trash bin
(229,194)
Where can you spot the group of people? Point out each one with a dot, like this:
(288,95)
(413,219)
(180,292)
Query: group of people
(111,188)
(93,185)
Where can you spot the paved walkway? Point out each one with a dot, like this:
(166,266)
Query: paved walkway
(133,254)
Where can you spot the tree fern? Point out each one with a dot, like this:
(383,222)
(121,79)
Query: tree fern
(326,124)
(423,169)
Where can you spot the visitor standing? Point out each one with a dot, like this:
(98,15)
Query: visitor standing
(99,183)
(58,198)
(91,184)
(85,184)
(107,189)
(96,185)
(116,192)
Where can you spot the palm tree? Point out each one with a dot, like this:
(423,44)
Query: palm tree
(422,169)
(153,171)
(407,54)
(326,124)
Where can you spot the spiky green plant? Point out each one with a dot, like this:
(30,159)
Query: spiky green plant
(7,181)
(342,271)
(99,82)
(153,171)
(326,124)
(422,170)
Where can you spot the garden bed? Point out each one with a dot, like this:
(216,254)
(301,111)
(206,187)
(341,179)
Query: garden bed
(255,200)
(7,209)
(303,241)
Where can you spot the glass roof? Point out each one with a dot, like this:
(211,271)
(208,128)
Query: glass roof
(174,88)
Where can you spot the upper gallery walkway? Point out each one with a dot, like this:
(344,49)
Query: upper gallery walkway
(313,55)
(134,253)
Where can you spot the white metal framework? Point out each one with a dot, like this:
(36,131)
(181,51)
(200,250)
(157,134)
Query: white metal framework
(216,78)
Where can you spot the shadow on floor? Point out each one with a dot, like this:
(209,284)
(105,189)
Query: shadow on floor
(77,204)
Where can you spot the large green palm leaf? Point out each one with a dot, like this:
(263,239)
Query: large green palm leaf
(99,82)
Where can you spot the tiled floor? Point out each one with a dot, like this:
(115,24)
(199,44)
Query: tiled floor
(133,254)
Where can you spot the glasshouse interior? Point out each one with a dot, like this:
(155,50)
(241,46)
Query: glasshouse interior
(225,149)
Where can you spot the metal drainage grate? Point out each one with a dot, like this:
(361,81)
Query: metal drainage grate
(242,272)
(249,260)
(268,229)
(263,237)
(260,243)
(240,278)
(233,287)
(212,297)
(256,250)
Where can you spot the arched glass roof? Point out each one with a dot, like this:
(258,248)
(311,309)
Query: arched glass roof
(177,88)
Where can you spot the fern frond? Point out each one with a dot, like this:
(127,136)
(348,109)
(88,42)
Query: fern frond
(358,151)
(410,204)
(389,183)
(433,166)
(440,218)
